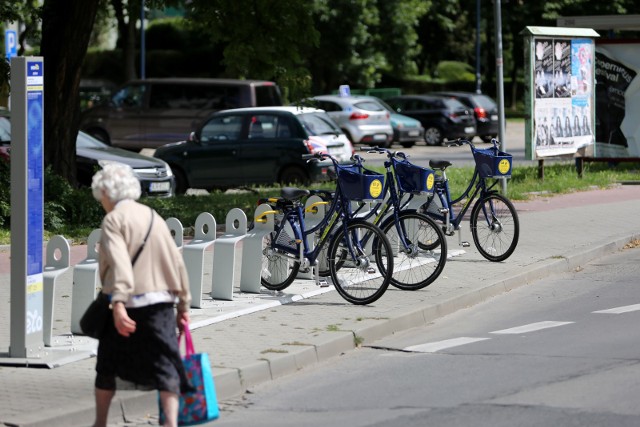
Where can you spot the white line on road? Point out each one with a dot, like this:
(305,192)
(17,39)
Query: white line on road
(531,327)
(619,310)
(432,347)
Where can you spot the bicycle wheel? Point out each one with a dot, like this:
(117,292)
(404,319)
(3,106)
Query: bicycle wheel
(279,268)
(431,209)
(419,263)
(495,227)
(362,277)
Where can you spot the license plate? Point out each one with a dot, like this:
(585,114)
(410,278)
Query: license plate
(380,137)
(414,133)
(494,117)
(157,187)
(469,129)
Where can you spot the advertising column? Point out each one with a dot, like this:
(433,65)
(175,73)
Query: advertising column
(27,102)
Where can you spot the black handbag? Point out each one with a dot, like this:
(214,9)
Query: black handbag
(95,318)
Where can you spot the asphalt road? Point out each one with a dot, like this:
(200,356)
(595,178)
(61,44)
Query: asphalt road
(562,352)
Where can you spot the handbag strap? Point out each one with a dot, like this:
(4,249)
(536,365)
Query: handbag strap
(137,254)
(188,341)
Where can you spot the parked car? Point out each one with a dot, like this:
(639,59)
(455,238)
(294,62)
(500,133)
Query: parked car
(248,146)
(156,178)
(362,120)
(406,130)
(442,117)
(152,112)
(485,111)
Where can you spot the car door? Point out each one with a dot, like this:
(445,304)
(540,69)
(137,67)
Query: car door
(271,142)
(214,160)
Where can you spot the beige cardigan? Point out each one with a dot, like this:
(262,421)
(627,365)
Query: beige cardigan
(160,265)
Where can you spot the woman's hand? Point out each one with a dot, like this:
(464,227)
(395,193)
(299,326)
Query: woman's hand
(124,324)
(182,320)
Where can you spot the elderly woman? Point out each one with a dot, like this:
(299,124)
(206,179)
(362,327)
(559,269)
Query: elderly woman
(147,284)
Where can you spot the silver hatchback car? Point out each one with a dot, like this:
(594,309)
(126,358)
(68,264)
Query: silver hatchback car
(362,120)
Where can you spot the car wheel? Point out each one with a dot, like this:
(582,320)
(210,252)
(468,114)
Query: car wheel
(408,144)
(100,134)
(182,185)
(433,136)
(293,175)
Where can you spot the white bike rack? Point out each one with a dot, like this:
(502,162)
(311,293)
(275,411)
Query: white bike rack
(193,255)
(57,262)
(228,250)
(86,281)
(252,249)
(177,231)
(315,209)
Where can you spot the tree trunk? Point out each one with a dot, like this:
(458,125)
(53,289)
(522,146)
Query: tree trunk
(66,29)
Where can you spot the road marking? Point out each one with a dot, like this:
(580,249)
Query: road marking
(531,327)
(619,310)
(432,347)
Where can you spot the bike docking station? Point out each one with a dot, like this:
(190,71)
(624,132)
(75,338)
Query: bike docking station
(193,255)
(32,285)
(227,262)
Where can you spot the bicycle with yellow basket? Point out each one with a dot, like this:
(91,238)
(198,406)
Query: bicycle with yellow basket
(359,255)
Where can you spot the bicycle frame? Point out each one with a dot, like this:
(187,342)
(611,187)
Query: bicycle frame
(449,216)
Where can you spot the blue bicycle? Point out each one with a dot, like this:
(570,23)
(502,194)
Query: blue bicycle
(359,255)
(494,221)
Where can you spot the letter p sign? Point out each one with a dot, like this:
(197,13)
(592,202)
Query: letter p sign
(11,43)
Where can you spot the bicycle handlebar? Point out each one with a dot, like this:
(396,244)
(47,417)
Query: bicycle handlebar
(389,153)
(460,142)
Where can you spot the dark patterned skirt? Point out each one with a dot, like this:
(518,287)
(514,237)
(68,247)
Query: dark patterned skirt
(150,357)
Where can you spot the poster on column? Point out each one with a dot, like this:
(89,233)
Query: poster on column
(617,99)
(564,93)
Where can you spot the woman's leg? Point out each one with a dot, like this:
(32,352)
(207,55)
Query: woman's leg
(170,405)
(103,401)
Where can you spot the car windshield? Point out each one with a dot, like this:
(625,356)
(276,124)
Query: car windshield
(368,106)
(386,106)
(485,102)
(318,124)
(454,104)
(87,141)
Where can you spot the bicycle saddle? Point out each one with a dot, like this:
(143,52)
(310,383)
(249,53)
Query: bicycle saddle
(292,193)
(439,164)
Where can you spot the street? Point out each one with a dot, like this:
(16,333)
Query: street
(559,352)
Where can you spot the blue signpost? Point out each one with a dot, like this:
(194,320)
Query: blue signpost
(10,44)
(27,177)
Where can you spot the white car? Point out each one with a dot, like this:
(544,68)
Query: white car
(363,121)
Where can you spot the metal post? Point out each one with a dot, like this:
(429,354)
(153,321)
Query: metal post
(478,74)
(499,79)
(142,43)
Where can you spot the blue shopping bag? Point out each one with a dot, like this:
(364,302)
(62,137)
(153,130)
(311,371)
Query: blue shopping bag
(200,405)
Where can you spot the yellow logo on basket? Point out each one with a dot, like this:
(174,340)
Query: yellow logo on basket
(504,166)
(375,188)
(430,180)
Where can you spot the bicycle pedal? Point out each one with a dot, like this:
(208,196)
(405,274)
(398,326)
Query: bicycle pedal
(323,283)
(371,270)
(465,244)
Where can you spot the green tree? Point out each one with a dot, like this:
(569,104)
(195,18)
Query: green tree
(263,39)
(66,29)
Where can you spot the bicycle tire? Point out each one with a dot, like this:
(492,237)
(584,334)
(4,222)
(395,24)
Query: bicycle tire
(278,268)
(496,238)
(420,264)
(431,208)
(361,281)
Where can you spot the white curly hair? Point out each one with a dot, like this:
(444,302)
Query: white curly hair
(117,181)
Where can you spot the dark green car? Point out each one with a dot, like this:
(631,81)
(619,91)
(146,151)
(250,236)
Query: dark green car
(248,146)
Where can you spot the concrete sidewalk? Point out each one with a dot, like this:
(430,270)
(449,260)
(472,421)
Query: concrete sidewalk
(256,338)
